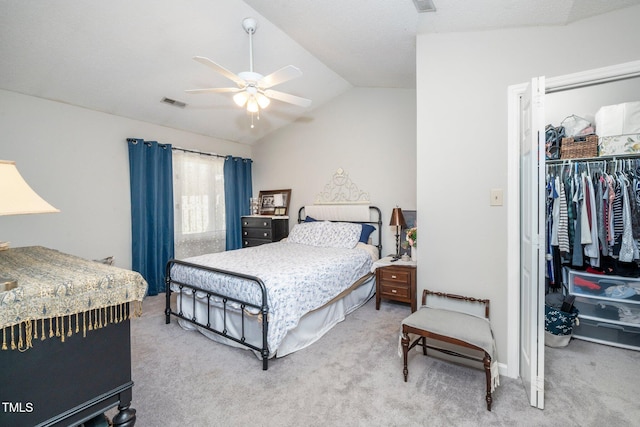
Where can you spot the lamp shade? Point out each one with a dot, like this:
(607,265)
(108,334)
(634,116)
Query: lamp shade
(397,219)
(16,197)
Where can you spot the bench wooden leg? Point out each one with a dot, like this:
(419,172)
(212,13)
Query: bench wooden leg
(487,371)
(405,351)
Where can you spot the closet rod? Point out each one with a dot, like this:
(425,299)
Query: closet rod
(593,159)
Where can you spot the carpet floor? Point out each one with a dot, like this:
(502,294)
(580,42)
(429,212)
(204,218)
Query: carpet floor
(353,377)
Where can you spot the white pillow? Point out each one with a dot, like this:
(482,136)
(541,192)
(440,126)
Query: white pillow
(326,234)
(341,235)
(307,233)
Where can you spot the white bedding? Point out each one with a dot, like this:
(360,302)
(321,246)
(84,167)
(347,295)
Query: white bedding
(299,278)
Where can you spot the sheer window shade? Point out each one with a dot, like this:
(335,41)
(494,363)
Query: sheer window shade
(198,193)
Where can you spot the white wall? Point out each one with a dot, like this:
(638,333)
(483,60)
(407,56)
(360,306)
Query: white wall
(462,140)
(370,133)
(78,161)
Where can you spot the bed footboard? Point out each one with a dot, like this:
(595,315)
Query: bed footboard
(190,289)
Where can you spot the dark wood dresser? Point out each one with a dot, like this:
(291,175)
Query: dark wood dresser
(259,229)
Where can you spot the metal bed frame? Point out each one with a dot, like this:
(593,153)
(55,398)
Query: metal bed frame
(190,289)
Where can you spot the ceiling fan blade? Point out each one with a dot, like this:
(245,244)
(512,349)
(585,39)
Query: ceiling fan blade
(220,69)
(214,90)
(282,75)
(286,97)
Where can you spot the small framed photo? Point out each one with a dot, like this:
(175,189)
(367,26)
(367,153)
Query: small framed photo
(275,202)
(410,220)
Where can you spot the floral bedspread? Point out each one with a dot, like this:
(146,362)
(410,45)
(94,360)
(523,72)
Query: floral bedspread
(299,278)
(55,286)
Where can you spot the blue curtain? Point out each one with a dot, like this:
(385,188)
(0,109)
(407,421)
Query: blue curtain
(238,189)
(151,178)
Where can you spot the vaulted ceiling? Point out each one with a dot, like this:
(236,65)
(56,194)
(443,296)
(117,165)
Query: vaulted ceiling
(123,57)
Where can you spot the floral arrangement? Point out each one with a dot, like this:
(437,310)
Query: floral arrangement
(412,236)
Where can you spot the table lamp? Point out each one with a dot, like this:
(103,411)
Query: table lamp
(397,221)
(17,198)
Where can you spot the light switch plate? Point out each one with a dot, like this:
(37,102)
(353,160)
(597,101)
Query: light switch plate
(496,197)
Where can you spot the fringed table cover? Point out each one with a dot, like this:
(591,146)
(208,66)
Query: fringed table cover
(59,294)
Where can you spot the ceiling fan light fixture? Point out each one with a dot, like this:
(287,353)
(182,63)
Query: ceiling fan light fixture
(263,101)
(240,98)
(252,105)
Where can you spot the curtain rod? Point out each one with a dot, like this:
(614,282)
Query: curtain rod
(199,152)
(191,151)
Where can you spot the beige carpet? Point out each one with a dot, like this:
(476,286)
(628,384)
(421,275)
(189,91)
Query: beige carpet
(353,377)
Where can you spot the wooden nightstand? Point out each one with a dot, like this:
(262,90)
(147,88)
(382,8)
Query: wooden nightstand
(396,281)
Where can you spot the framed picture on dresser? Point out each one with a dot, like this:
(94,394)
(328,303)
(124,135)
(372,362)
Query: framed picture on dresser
(410,220)
(275,202)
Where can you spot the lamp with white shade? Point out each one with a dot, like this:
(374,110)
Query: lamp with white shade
(17,198)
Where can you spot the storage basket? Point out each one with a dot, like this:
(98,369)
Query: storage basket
(558,325)
(575,148)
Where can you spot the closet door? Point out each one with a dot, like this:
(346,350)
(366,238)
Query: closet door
(532,222)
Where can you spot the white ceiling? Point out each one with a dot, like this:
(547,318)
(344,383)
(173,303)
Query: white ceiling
(123,56)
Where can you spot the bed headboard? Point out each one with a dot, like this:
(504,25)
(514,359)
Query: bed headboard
(357,214)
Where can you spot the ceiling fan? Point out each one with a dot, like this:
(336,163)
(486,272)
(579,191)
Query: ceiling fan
(253,89)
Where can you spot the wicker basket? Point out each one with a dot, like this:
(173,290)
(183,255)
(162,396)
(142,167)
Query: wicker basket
(583,147)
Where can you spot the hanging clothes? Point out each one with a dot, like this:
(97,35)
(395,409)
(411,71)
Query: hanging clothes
(593,211)
(577,260)
(592,249)
(550,271)
(563,219)
(628,246)
(616,221)
(634,201)
(601,212)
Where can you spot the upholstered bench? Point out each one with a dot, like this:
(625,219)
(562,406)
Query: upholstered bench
(445,322)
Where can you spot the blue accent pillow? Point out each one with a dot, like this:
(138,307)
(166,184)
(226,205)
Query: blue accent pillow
(366,232)
(309,219)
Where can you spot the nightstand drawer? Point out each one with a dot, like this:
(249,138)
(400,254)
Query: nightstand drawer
(395,275)
(395,290)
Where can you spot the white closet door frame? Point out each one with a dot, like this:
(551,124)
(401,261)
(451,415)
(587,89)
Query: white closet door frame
(515,92)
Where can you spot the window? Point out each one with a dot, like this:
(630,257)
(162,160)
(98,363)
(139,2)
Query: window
(198,197)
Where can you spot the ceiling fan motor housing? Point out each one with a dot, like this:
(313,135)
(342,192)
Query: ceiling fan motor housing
(251,77)
(249,25)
